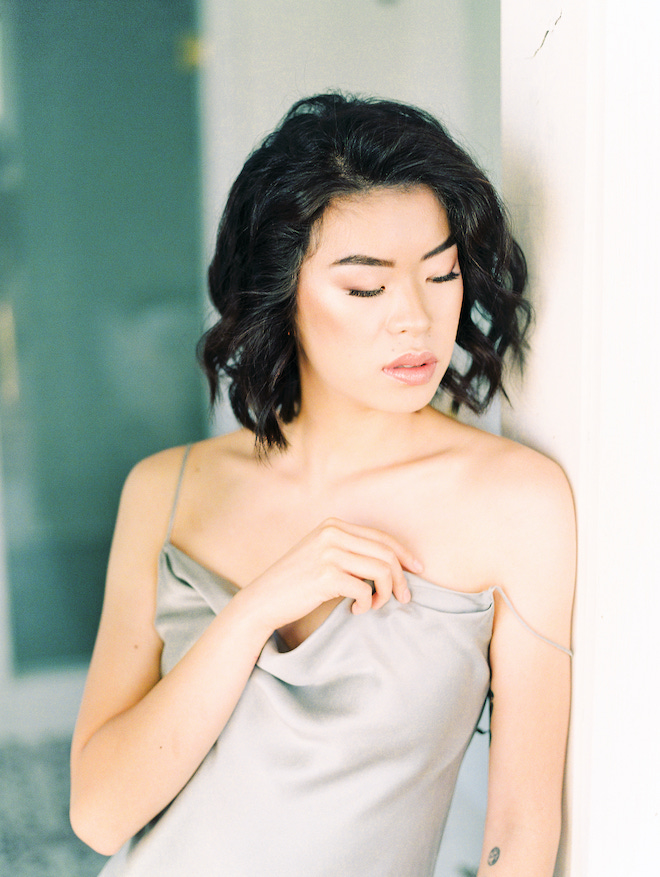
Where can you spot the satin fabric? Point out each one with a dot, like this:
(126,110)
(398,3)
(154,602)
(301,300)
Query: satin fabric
(341,755)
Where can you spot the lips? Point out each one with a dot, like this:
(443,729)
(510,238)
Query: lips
(412,368)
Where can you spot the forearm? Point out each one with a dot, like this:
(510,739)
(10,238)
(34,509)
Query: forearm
(520,850)
(138,761)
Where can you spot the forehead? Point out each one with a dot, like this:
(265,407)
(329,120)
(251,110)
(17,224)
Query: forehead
(380,219)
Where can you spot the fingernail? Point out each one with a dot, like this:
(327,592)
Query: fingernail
(416,566)
(406,596)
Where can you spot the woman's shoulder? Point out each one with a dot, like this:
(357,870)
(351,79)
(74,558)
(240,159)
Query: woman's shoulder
(502,469)
(151,484)
(519,499)
(163,466)
(523,481)
(509,493)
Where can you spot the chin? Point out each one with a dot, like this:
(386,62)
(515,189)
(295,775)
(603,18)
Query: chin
(410,402)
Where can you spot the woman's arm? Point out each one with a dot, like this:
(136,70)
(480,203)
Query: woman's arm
(530,679)
(139,738)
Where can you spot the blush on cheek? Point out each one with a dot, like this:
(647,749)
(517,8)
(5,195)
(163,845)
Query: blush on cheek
(324,326)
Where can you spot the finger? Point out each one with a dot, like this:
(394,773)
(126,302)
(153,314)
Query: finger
(377,574)
(384,577)
(378,538)
(360,592)
(381,584)
(378,563)
(389,583)
(401,591)
(397,589)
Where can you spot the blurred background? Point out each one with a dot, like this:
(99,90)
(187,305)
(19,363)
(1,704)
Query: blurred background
(122,126)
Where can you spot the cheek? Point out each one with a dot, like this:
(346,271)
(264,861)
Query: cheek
(456,302)
(322,325)
(446,311)
(458,305)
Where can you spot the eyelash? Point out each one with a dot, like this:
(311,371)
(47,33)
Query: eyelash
(369,293)
(366,293)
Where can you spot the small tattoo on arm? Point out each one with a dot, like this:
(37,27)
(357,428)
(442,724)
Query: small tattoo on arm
(493,855)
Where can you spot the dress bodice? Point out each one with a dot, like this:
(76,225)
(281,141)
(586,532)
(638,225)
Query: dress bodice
(341,755)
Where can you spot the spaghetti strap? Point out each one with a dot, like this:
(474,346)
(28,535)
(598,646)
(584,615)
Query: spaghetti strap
(527,626)
(176,493)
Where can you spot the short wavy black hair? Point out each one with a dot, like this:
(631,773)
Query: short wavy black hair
(326,147)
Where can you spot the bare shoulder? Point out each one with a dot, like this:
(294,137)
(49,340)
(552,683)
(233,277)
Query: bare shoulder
(498,472)
(522,479)
(533,493)
(523,503)
(513,519)
(155,472)
(239,443)
(151,484)
(148,492)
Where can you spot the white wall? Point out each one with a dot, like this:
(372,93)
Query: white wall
(581,141)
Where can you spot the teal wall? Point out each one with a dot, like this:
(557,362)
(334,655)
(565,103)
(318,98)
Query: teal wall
(99,291)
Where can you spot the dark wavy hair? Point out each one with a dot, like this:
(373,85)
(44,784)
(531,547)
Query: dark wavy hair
(326,147)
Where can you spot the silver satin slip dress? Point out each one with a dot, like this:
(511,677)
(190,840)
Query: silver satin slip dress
(341,756)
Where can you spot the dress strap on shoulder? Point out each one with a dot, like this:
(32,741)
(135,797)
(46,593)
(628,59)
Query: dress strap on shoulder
(176,492)
(527,626)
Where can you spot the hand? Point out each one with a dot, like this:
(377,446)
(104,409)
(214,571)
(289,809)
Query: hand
(337,559)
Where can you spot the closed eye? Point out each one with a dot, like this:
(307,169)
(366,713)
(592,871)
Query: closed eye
(453,275)
(365,293)
(368,293)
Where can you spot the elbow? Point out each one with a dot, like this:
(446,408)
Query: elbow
(99,816)
(92,828)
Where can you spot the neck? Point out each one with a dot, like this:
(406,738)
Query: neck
(328,447)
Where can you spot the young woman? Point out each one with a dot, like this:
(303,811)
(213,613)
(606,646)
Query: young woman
(303,619)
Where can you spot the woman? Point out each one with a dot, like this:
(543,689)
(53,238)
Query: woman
(333,586)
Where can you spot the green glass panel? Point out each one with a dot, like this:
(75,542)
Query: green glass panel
(99,290)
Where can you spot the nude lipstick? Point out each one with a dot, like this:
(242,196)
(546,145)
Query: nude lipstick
(413,369)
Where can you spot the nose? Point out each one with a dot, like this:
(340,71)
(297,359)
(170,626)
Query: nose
(409,311)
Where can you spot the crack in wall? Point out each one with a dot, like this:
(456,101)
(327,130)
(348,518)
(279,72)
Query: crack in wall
(548,32)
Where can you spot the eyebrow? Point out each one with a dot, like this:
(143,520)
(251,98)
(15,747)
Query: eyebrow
(440,248)
(386,263)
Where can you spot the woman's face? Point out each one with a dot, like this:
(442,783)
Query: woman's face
(379,298)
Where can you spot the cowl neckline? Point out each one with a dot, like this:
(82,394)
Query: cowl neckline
(330,649)
(423,591)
